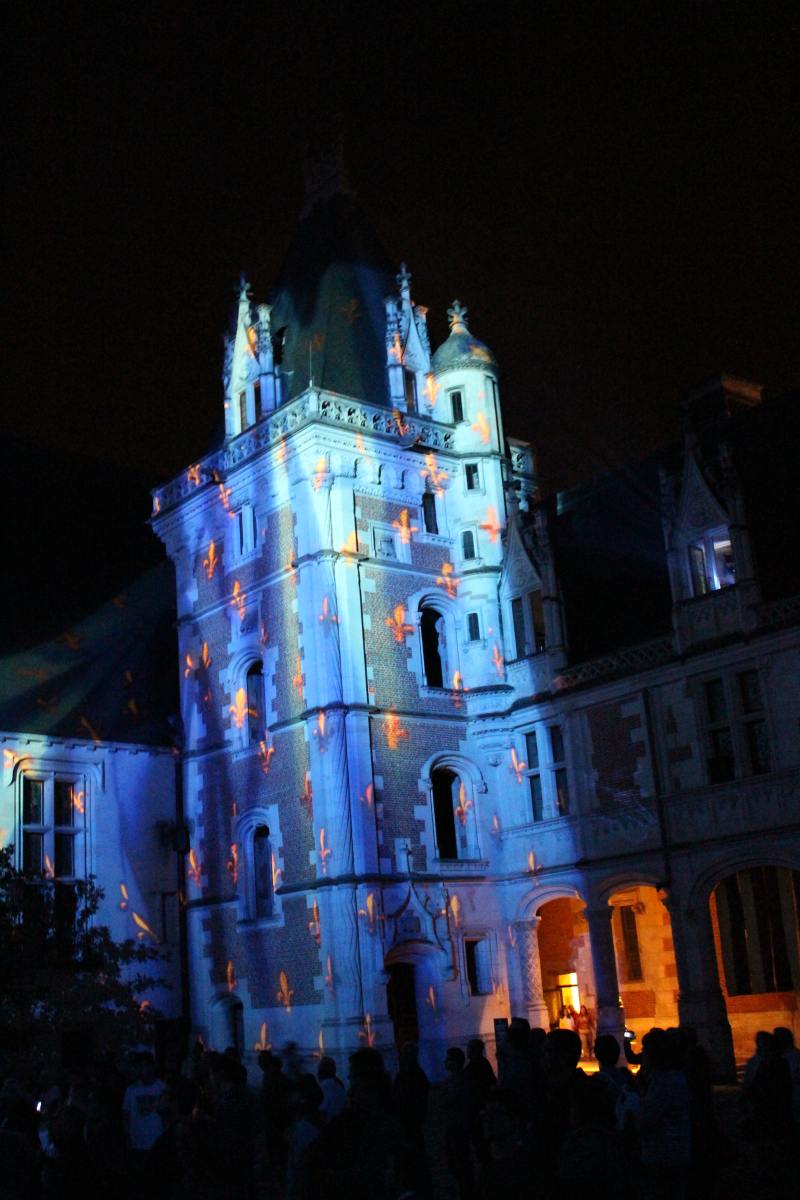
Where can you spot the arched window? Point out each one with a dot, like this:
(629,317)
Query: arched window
(262,872)
(429,512)
(468,544)
(256,722)
(445,787)
(432,633)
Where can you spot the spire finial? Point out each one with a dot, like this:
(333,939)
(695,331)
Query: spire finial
(245,289)
(404,283)
(458,317)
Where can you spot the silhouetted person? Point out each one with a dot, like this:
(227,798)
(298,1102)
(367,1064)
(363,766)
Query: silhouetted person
(591,1157)
(410,1105)
(461,1108)
(480,1074)
(334,1096)
(275,1100)
(561,1075)
(233,1117)
(142,1123)
(305,1098)
(665,1119)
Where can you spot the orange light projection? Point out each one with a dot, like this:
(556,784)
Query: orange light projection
(320,732)
(232,865)
(497,660)
(395,733)
(368,799)
(496,829)
(205,658)
(430,999)
(431,391)
(9,758)
(325,852)
(512,937)
(276,872)
(398,625)
(319,474)
(463,806)
(194,870)
(230,976)
(193,475)
(265,753)
(48,867)
(532,866)
(517,766)
(313,925)
(455,909)
(448,580)
(143,928)
(239,710)
(491,525)
(156,505)
(404,527)
(263,1042)
(123,891)
(225,500)
(402,427)
(329,973)
(79,802)
(435,477)
(238,599)
(285,993)
(211,561)
(482,428)
(368,912)
(297,678)
(327,613)
(190,666)
(366,1034)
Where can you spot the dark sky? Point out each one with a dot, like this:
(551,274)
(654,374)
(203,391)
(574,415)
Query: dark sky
(611,189)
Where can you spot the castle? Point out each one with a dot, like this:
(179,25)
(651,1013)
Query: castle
(450,752)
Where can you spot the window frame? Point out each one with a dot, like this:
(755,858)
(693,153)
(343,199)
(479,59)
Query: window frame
(533,643)
(472,531)
(481,962)
(50,833)
(245,541)
(738,720)
(472,471)
(701,555)
(461,417)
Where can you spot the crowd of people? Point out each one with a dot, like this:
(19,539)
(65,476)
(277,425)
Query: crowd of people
(536,1127)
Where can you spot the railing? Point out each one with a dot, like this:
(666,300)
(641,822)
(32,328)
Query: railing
(632,658)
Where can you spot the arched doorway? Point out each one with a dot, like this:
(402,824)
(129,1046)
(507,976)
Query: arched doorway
(645,958)
(227,1024)
(401,1000)
(755,916)
(565,957)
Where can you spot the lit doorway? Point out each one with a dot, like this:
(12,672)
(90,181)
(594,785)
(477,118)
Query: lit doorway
(565,957)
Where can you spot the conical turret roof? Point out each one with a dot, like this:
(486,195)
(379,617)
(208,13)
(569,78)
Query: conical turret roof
(328,300)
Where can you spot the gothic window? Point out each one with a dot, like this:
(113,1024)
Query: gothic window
(468,544)
(262,872)
(711,562)
(445,786)
(472,477)
(256,722)
(527,620)
(457,406)
(735,734)
(432,633)
(429,512)
(473,627)
(479,968)
(534,775)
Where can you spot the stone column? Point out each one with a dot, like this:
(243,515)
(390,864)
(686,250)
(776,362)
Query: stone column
(527,934)
(610,1013)
(701,1003)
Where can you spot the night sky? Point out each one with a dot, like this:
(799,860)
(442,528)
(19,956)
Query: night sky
(611,189)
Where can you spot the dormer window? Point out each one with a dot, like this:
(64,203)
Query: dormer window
(711,562)
(527,620)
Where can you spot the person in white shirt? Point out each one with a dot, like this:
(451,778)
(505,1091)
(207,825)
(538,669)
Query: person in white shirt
(334,1096)
(140,1106)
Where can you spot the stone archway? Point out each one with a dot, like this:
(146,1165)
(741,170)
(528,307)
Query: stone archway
(645,957)
(565,956)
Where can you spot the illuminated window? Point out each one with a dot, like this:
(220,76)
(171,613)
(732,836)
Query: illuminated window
(479,967)
(445,786)
(432,633)
(473,627)
(51,825)
(457,407)
(711,562)
(468,544)
(256,723)
(429,512)
(472,476)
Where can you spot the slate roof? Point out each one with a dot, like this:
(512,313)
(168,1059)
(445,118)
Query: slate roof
(329,297)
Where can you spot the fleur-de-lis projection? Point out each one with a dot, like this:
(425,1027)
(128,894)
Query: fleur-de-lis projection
(368,798)
(491,525)
(325,852)
(265,753)
(497,660)
(496,828)
(512,937)
(297,678)
(448,579)
(239,710)
(306,797)
(156,505)
(194,870)
(143,928)
(361,446)
(366,1033)
(285,993)
(205,658)
(368,912)
(329,973)
(320,732)
(463,806)
(327,615)
(252,341)
(401,426)
(349,547)
(9,758)
(313,925)
(280,452)
(319,474)
(90,729)
(533,866)
(277,872)
(79,802)
(398,624)
(191,665)
(430,999)
(230,976)
(436,478)
(225,499)
(263,636)
(396,349)
(480,426)
(395,733)
(431,391)
(48,867)
(238,599)
(232,865)
(123,891)
(193,475)
(211,561)
(517,766)
(320,1050)
(263,1042)
(455,909)
(404,527)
